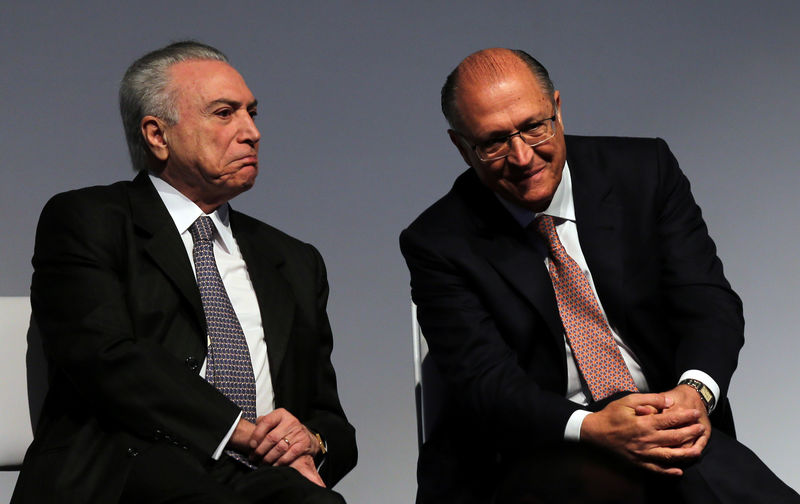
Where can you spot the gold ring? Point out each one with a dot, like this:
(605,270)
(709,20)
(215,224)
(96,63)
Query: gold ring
(288,443)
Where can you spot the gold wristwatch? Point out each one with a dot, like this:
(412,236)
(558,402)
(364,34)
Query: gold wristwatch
(705,393)
(321,443)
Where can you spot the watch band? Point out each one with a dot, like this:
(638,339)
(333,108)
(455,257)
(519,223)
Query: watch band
(705,393)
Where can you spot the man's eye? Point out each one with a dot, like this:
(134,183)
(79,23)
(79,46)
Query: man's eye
(253,113)
(223,112)
(493,144)
(535,127)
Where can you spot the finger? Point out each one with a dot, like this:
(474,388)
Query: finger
(671,471)
(645,410)
(670,438)
(264,424)
(272,440)
(305,466)
(658,401)
(702,441)
(300,445)
(293,444)
(675,418)
(273,445)
(671,457)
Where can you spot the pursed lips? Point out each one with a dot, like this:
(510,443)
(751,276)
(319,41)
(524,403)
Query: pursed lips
(248,160)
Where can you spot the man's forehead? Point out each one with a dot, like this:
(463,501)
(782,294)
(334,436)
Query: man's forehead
(489,65)
(209,80)
(501,103)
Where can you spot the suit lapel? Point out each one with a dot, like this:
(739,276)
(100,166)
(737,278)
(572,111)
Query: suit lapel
(598,215)
(275,299)
(510,251)
(162,242)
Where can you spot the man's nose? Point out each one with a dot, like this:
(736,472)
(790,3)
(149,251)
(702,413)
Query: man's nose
(249,132)
(521,153)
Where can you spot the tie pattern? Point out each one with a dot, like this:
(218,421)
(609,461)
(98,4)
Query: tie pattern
(228,364)
(597,354)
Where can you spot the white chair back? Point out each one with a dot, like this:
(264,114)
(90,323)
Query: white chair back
(429,388)
(15,420)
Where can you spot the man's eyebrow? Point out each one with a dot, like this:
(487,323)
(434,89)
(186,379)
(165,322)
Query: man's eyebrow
(500,133)
(231,103)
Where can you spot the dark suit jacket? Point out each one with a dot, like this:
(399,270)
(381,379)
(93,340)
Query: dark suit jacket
(123,328)
(488,311)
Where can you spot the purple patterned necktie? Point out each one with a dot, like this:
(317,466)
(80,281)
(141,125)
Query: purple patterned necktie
(597,354)
(228,364)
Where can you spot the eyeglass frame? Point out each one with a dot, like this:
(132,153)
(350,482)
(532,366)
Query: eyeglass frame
(507,139)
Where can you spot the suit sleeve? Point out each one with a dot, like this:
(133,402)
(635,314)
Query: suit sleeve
(326,415)
(479,366)
(128,383)
(703,313)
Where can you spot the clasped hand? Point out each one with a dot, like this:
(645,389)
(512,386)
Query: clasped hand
(660,432)
(279,439)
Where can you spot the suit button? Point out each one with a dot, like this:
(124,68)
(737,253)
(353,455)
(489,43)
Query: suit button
(158,435)
(192,363)
(132,452)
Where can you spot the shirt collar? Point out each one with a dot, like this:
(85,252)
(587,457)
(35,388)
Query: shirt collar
(561,207)
(184,212)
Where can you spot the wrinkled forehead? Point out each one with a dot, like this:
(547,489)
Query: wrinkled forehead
(488,66)
(500,103)
(205,79)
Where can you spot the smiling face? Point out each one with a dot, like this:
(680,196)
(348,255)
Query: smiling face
(496,107)
(211,153)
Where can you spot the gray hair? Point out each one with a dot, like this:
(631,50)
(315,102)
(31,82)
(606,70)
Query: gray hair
(145,90)
(451,84)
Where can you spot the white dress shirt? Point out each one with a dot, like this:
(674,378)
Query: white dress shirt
(562,209)
(236,279)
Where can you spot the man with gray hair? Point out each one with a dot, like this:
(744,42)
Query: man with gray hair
(569,292)
(188,344)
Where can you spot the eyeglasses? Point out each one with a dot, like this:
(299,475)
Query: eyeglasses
(500,147)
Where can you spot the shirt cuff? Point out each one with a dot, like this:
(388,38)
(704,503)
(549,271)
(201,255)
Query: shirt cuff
(221,448)
(572,432)
(322,459)
(696,374)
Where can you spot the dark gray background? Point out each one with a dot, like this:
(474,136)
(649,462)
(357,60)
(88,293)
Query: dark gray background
(354,147)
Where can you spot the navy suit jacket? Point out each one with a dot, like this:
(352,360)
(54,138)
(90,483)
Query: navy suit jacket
(488,311)
(123,329)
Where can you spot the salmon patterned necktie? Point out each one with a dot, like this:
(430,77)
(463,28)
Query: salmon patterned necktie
(593,346)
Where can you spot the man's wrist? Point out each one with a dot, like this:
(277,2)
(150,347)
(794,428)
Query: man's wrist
(705,393)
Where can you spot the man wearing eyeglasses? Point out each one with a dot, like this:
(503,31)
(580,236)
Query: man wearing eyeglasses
(569,291)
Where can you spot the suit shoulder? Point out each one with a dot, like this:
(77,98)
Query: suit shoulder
(282,243)
(449,214)
(579,144)
(628,160)
(97,197)
(92,203)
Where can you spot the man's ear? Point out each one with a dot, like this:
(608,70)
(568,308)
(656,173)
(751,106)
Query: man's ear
(153,130)
(557,100)
(458,141)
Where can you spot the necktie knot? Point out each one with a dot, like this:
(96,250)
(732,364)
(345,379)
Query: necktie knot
(544,225)
(202,229)
(546,228)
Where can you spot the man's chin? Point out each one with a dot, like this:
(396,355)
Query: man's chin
(529,201)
